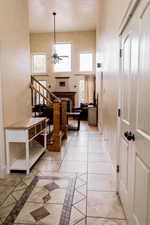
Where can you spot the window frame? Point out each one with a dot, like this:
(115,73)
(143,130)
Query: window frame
(39,53)
(86,52)
(70,57)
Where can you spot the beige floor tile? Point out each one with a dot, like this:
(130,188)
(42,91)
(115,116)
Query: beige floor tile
(98,182)
(80,182)
(78,149)
(76,216)
(11,179)
(78,197)
(57,196)
(82,189)
(73,167)
(81,206)
(83,177)
(76,156)
(104,204)
(4,192)
(47,165)
(98,157)
(6,207)
(63,183)
(96,221)
(52,219)
(78,143)
(54,156)
(27,179)
(19,190)
(56,173)
(82,222)
(100,168)
(96,150)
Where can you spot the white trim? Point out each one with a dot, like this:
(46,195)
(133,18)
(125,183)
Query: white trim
(128,14)
(2,137)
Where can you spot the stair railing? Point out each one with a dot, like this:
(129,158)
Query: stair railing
(40,93)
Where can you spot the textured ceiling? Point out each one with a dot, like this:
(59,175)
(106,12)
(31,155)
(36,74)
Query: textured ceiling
(72,15)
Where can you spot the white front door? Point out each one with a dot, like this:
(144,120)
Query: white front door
(134,177)
(126,154)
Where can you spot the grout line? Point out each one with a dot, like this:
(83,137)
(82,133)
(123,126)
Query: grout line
(109,218)
(87,186)
(102,191)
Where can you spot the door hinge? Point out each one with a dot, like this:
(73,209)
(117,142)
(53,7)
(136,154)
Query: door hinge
(119,112)
(121,53)
(118,168)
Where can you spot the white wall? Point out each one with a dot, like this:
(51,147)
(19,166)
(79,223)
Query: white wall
(107,52)
(14,61)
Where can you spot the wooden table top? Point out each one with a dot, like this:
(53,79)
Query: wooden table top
(26,124)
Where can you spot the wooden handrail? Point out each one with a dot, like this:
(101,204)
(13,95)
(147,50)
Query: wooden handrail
(46,89)
(37,91)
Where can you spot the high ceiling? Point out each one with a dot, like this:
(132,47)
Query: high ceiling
(72,15)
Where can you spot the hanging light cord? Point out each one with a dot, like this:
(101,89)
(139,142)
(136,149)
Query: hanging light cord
(54,14)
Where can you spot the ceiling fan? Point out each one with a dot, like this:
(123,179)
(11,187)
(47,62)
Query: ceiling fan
(55,57)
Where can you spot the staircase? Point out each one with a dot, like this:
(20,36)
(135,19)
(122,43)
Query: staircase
(46,104)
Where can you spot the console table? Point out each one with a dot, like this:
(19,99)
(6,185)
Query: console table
(25,132)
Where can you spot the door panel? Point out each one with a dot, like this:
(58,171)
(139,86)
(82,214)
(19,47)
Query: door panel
(141,190)
(124,163)
(141,201)
(125,122)
(125,81)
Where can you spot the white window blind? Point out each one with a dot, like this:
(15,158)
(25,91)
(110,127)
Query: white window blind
(86,62)
(64,51)
(39,63)
(81,91)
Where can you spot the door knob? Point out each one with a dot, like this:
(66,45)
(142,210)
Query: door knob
(129,136)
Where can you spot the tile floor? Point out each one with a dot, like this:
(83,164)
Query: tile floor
(91,195)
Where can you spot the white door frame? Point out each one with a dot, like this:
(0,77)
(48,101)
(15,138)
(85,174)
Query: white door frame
(2,145)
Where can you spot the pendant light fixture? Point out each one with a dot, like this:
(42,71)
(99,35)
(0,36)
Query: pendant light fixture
(55,56)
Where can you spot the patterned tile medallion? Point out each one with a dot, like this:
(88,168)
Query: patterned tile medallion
(39,204)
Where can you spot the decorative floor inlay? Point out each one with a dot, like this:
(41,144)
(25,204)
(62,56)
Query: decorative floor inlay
(37,202)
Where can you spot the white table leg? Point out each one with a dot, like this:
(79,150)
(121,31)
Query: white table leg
(8,157)
(27,158)
(45,140)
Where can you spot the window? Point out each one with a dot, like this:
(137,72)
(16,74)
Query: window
(86,62)
(64,51)
(81,91)
(39,63)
